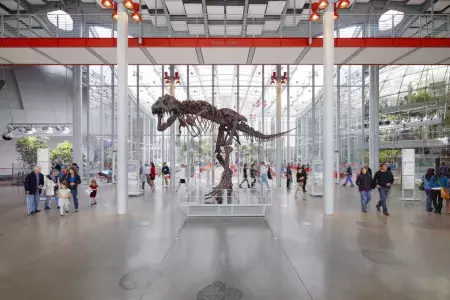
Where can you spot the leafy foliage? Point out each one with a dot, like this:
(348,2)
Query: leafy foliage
(62,154)
(27,148)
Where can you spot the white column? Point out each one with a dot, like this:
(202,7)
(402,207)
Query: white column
(337,155)
(77,119)
(328,110)
(172,145)
(102,118)
(279,141)
(374,118)
(122,110)
(313,114)
(349,116)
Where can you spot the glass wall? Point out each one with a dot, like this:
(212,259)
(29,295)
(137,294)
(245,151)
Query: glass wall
(414,104)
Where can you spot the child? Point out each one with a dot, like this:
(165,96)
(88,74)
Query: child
(143,180)
(64,195)
(182,177)
(93,186)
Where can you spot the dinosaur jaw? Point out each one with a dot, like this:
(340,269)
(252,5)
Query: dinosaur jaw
(170,120)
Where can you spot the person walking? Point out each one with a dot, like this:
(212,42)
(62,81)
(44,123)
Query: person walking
(444,169)
(182,177)
(348,177)
(365,183)
(152,176)
(73,179)
(438,182)
(245,176)
(166,173)
(426,179)
(253,173)
(51,185)
(263,175)
(300,179)
(383,181)
(64,196)
(288,176)
(143,177)
(33,184)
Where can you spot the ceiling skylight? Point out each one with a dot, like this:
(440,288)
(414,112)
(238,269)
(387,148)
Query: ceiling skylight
(390,19)
(61,19)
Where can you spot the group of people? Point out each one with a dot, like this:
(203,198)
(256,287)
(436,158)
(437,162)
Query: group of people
(263,173)
(148,175)
(58,185)
(382,180)
(435,184)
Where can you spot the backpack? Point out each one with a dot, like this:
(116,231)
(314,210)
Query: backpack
(269,174)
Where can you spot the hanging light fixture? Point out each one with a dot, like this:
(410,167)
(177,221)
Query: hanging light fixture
(343,4)
(128,4)
(315,16)
(284,78)
(177,78)
(322,4)
(107,4)
(65,130)
(166,78)
(335,15)
(136,15)
(115,15)
(273,78)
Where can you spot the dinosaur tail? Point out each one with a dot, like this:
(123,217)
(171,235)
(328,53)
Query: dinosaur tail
(253,134)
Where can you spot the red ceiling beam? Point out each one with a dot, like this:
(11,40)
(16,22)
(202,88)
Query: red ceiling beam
(223,42)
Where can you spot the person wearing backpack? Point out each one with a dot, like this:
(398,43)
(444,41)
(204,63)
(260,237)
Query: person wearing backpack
(426,183)
(438,182)
(245,169)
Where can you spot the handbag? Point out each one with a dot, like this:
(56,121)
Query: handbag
(445,194)
(422,186)
(269,174)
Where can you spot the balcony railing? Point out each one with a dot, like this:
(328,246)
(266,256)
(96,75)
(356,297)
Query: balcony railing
(289,25)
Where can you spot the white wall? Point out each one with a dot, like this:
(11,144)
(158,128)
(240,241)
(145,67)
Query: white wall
(35,94)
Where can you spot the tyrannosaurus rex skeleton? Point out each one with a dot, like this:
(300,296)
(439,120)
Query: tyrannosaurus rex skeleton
(200,116)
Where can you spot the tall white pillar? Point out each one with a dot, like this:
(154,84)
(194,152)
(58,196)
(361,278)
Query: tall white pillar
(313,114)
(172,132)
(122,111)
(374,118)
(337,158)
(349,115)
(279,141)
(328,110)
(77,119)
(102,118)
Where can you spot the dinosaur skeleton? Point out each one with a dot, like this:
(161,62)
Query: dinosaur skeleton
(199,117)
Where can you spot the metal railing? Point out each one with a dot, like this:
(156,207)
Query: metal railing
(289,25)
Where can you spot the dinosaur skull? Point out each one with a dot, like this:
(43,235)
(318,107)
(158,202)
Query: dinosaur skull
(165,105)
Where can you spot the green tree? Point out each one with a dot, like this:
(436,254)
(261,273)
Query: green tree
(62,154)
(27,148)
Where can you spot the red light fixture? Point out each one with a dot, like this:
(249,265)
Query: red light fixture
(166,78)
(128,4)
(115,15)
(315,16)
(284,78)
(322,4)
(107,4)
(273,78)
(176,78)
(336,15)
(136,15)
(343,4)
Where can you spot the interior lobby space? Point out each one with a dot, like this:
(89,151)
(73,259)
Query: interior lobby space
(224,150)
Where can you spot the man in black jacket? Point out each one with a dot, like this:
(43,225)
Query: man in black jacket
(383,180)
(33,184)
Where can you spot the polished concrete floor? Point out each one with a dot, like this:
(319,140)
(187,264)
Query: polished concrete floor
(154,253)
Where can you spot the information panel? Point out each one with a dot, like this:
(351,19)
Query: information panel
(134,184)
(408,173)
(317,178)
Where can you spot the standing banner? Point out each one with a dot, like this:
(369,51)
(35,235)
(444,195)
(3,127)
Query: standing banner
(317,178)
(43,160)
(134,184)
(408,173)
